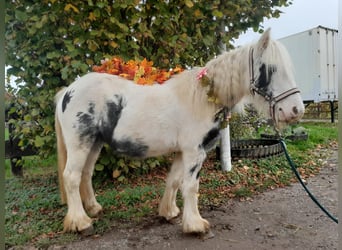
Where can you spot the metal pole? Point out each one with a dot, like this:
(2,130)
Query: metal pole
(225,153)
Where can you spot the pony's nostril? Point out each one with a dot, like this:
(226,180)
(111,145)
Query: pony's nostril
(295,110)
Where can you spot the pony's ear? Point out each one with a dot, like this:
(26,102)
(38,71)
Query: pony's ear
(264,41)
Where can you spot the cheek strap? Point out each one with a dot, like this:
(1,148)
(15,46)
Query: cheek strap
(274,100)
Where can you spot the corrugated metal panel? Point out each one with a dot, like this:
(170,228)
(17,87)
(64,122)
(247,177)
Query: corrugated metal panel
(328,64)
(313,53)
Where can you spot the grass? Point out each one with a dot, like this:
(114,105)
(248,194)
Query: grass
(33,165)
(34,216)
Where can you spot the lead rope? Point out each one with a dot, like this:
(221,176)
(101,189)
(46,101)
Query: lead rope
(294,169)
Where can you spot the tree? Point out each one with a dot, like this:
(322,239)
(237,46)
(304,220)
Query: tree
(51,42)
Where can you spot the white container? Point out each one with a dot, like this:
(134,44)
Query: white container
(314,56)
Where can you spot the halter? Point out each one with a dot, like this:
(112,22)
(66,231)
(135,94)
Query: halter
(268,96)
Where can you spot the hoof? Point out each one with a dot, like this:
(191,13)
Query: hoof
(201,226)
(76,224)
(169,213)
(95,211)
(88,231)
(173,221)
(206,236)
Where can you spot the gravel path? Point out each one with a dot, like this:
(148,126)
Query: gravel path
(281,219)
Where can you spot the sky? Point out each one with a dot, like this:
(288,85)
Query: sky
(300,16)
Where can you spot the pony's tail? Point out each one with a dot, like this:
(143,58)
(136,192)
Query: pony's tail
(61,150)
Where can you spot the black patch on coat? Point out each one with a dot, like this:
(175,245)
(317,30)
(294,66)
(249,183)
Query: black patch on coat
(193,169)
(66,99)
(265,78)
(129,148)
(87,126)
(111,118)
(210,138)
(198,175)
(91,108)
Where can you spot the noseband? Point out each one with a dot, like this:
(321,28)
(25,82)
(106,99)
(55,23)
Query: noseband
(272,100)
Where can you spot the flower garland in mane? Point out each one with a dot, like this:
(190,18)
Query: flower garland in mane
(141,72)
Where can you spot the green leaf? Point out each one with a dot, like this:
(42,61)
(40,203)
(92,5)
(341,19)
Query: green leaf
(39,141)
(99,167)
(53,54)
(189,3)
(35,112)
(65,73)
(217,13)
(27,118)
(20,15)
(97,13)
(105,160)
(121,163)
(100,4)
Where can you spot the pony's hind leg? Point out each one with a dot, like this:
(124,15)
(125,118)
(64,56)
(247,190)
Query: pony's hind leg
(192,220)
(168,207)
(76,218)
(62,158)
(86,188)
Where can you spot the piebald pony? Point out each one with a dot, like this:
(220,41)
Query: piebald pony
(144,121)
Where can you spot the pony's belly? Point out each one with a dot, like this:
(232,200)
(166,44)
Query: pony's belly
(158,151)
(143,146)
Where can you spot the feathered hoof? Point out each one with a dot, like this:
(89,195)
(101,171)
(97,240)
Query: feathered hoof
(199,225)
(77,224)
(168,212)
(95,210)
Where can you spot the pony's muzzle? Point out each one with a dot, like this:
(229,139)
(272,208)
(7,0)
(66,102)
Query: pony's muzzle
(290,114)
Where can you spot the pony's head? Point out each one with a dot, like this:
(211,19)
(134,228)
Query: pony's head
(272,82)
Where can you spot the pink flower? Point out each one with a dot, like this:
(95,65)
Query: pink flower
(202,73)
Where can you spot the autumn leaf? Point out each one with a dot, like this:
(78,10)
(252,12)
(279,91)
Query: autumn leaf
(146,63)
(91,16)
(69,7)
(116,173)
(125,75)
(141,72)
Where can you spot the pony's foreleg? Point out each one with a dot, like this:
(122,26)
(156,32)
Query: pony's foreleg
(86,187)
(192,220)
(76,218)
(168,207)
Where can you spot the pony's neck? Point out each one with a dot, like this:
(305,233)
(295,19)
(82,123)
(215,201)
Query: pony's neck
(229,74)
(193,96)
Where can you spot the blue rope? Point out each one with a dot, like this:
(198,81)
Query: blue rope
(294,169)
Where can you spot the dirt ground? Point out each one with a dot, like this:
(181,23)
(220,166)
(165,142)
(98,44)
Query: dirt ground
(280,219)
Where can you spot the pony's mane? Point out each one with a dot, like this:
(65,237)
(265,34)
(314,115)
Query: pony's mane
(230,70)
(190,91)
(227,72)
